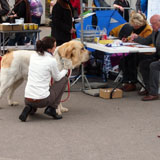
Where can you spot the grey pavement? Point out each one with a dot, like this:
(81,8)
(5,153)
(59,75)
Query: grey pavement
(93,129)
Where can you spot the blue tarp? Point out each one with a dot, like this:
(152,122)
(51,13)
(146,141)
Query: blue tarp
(108,19)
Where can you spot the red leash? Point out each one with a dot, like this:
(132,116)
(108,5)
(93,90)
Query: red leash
(68,93)
(0,61)
(69,72)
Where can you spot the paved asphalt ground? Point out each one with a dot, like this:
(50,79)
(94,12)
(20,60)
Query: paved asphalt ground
(93,129)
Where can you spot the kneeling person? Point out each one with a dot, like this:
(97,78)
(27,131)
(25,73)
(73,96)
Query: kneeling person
(38,92)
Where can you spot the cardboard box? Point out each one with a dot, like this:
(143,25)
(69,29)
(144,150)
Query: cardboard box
(105,93)
(5,27)
(17,27)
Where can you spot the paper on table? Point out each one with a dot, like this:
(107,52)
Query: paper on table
(142,46)
(128,44)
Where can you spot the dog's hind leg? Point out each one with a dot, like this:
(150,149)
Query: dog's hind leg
(4,87)
(11,90)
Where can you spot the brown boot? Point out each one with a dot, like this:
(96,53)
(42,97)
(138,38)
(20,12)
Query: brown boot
(129,87)
(150,98)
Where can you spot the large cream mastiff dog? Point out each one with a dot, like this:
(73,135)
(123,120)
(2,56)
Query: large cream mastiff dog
(14,66)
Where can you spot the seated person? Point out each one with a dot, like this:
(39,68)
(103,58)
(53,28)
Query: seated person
(150,68)
(129,63)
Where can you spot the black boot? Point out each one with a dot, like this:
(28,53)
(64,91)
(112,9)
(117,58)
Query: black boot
(50,111)
(33,111)
(25,113)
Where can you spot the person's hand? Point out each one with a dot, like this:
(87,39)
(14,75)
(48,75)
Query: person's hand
(13,16)
(124,39)
(139,11)
(133,36)
(72,30)
(121,8)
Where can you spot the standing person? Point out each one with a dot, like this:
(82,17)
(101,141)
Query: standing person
(62,25)
(38,92)
(36,10)
(21,10)
(52,3)
(138,6)
(76,7)
(150,68)
(4,9)
(120,5)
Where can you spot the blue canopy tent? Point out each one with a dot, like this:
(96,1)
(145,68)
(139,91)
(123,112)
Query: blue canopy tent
(108,19)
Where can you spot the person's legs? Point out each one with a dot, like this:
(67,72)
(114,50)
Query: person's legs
(31,107)
(154,77)
(132,67)
(123,65)
(23,116)
(145,71)
(153,82)
(129,69)
(56,92)
(20,38)
(36,20)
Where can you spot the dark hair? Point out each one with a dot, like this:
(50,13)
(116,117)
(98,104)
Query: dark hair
(45,44)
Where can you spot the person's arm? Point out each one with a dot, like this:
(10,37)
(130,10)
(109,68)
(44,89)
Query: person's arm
(145,41)
(4,7)
(56,74)
(118,7)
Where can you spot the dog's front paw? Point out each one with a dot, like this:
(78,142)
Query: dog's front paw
(58,111)
(13,103)
(63,109)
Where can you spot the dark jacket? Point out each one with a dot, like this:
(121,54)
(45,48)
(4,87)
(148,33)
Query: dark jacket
(22,9)
(138,5)
(4,8)
(61,22)
(124,3)
(154,38)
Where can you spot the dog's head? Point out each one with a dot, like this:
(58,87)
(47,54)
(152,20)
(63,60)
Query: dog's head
(74,52)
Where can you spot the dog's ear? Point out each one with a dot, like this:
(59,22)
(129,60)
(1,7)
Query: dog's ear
(65,50)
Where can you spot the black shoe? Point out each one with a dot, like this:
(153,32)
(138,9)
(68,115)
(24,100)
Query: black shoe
(33,111)
(25,113)
(52,112)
